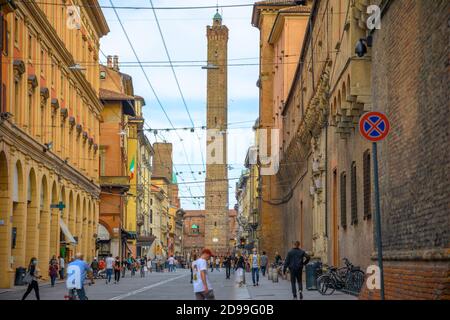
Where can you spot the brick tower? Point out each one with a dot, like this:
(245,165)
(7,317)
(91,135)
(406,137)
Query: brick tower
(216,186)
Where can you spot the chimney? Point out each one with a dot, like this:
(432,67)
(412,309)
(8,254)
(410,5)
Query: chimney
(109,61)
(116,63)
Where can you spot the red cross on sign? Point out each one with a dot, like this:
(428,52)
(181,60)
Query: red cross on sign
(374,126)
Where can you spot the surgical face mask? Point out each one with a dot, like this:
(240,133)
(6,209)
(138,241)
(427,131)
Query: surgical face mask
(35,262)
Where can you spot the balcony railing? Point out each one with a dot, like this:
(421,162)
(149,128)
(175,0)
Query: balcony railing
(122,181)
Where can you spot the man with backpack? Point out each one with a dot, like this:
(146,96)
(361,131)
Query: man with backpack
(295,260)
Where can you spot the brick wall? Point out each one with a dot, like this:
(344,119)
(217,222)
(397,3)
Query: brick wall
(410,83)
(162,160)
(417,280)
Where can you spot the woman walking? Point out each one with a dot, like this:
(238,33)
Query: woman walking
(32,278)
(53,271)
(240,268)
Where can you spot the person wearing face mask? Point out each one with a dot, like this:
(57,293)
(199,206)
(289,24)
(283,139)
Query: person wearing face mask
(32,279)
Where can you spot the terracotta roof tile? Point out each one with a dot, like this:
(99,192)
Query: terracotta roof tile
(106,94)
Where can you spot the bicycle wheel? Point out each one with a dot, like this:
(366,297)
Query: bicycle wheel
(325,285)
(355,281)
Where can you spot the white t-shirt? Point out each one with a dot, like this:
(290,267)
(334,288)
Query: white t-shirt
(61,262)
(109,262)
(171,260)
(255,261)
(198,266)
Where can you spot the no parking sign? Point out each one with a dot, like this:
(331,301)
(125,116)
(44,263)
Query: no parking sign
(374,126)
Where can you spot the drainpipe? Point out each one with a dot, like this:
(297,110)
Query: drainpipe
(326,179)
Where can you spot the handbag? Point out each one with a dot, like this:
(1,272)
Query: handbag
(28,278)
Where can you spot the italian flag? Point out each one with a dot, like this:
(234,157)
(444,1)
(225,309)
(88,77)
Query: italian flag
(132,166)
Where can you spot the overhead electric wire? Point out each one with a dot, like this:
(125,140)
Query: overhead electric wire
(142,7)
(147,78)
(175,76)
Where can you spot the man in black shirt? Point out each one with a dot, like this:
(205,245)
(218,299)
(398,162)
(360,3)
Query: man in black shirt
(295,260)
(227,263)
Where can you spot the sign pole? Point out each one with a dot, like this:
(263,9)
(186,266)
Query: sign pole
(378,216)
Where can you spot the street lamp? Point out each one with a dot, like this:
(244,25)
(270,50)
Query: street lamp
(77,67)
(210,66)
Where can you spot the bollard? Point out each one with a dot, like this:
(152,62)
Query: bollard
(274,275)
(269,274)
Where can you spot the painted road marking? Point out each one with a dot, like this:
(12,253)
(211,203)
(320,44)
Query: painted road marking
(135,292)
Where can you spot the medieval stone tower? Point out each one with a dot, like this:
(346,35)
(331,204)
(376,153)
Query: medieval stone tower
(216,186)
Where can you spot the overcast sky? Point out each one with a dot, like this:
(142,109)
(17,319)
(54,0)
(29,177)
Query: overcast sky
(185,35)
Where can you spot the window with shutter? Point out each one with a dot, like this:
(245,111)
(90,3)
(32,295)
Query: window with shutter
(354,196)
(367,185)
(343,200)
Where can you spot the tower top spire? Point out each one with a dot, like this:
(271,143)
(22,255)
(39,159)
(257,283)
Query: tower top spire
(217,19)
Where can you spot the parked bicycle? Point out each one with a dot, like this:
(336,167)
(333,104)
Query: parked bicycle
(349,279)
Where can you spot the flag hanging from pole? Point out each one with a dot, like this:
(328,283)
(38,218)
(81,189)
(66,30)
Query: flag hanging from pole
(132,166)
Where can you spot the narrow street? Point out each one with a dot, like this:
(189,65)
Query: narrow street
(174,286)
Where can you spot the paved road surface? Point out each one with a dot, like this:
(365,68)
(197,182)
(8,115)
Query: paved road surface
(174,286)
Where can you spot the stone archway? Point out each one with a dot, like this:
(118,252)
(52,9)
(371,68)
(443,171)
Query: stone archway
(5,209)
(19,226)
(54,221)
(91,242)
(32,235)
(44,225)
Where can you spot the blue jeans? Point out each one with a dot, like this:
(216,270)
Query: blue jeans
(53,280)
(255,275)
(109,273)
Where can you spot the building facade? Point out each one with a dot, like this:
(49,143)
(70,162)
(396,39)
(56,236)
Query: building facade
(322,185)
(159,218)
(216,184)
(145,235)
(410,83)
(49,134)
(117,136)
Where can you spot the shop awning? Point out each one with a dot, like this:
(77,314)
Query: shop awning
(129,235)
(67,234)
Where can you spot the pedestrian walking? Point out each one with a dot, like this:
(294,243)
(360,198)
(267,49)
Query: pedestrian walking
(255,263)
(202,286)
(264,263)
(84,270)
(277,258)
(240,269)
(149,265)
(218,264)
(101,267)
(295,260)
(171,261)
(94,267)
(211,264)
(192,267)
(124,267)
(31,278)
(62,265)
(227,264)
(109,268)
(142,266)
(117,269)
(53,269)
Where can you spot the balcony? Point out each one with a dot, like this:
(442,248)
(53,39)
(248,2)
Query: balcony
(111,181)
